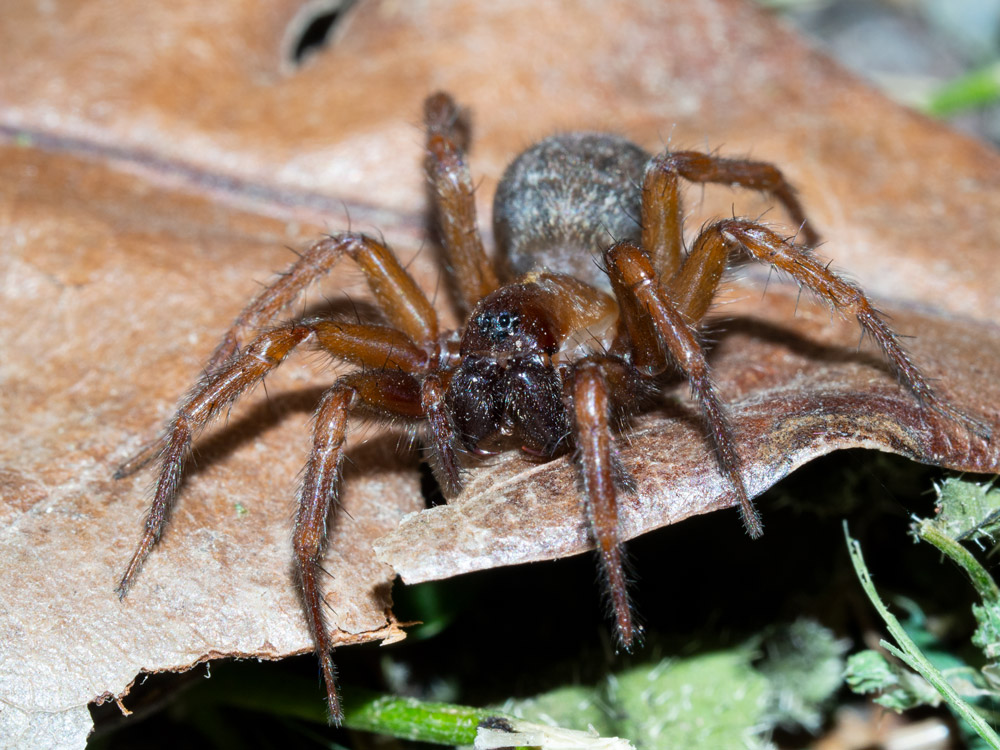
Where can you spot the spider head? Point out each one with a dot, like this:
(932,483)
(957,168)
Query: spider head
(509,322)
(507,384)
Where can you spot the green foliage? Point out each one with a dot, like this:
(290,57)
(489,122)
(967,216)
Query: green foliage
(714,699)
(898,688)
(729,697)
(970,511)
(578,706)
(987,635)
(804,667)
(978,88)
(966,511)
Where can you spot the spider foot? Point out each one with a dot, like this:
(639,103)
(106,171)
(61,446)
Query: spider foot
(953,414)
(335,712)
(138,557)
(635,638)
(628,631)
(752,521)
(141,458)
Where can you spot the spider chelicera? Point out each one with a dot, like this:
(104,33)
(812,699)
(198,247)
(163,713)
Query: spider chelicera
(553,359)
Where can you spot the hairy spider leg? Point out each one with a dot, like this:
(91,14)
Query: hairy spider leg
(637,287)
(395,292)
(208,399)
(370,345)
(695,285)
(388,388)
(383,392)
(454,202)
(404,351)
(662,219)
(442,433)
(596,454)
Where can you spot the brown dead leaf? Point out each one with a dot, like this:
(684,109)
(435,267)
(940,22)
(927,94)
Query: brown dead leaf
(157,160)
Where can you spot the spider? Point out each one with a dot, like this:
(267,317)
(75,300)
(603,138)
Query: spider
(553,359)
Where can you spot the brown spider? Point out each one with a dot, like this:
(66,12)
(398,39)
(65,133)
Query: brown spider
(552,361)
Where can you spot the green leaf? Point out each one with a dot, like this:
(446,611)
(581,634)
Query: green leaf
(987,635)
(710,699)
(715,699)
(967,510)
(577,706)
(804,666)
(870,672)
(975,89)
(722,698)
(970,511)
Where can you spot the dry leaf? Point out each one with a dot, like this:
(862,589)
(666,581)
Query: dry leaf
(158,159)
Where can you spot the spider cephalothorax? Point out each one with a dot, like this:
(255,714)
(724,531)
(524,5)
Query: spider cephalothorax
(550,361)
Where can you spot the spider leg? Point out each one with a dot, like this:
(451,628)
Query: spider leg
(661,203)
(383,392)
(215,392)
(454,199)
(373,346)
(596,455)
(146,454)
(396,294)
(713,248)
(637,287)
(693,286)
(442,434)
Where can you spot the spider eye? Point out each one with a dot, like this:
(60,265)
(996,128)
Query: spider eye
(500,326)
(504,325)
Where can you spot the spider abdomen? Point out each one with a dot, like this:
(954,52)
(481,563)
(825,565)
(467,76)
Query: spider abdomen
(566,199)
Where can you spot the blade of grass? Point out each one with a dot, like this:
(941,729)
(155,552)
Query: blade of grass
(975,89)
